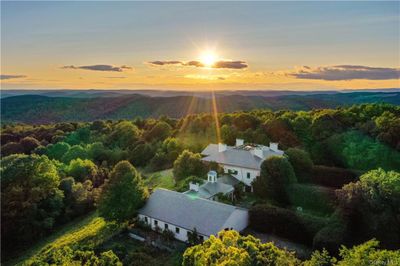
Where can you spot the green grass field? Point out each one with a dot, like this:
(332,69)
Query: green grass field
(68,233)
(160,179)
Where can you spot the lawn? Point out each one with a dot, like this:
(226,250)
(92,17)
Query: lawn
(54,239)
(160,179)
(313,199)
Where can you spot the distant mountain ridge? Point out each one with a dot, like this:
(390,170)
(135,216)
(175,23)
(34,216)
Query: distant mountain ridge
(38,109)
(171,93)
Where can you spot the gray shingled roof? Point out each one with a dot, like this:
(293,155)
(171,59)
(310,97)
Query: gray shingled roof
(189,212)
(228,179)
(236,156)
(209,189)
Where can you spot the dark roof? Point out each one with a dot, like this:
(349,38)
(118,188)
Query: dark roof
(208,217)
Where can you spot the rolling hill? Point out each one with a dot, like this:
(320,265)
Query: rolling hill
(39,109)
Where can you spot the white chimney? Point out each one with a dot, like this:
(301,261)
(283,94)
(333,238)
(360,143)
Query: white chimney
(258,152)
(194,186)
(273,146)
(221,147)
(239,142)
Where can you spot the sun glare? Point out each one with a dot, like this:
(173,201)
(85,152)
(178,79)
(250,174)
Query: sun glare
(208,59)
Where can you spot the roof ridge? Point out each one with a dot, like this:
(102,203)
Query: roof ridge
(206,200)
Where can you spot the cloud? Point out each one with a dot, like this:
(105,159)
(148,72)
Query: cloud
(226,64)
(231,64)
(163,63)
(100,68)
(12,76)
(346,72)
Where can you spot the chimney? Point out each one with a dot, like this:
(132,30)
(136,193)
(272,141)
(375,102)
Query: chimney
(194,186)
(221,147)
(273,146)
(239,142)
(259,152)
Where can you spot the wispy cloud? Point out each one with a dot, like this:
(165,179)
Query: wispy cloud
(346,72)
(12,76)
(110,68)
(227,64)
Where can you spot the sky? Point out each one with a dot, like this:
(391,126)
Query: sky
(200,45)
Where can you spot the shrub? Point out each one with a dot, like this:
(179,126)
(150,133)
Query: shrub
(317,199)
(285,223)
(332,176)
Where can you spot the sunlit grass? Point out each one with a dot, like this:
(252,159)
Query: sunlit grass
(160,179)
(90,231)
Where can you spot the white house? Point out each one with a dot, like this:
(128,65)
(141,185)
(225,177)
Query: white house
(242,161)
(181,213)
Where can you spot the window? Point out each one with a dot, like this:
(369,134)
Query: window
(248,175)
(155,222)
(166,226)
(177,230)
(146,220)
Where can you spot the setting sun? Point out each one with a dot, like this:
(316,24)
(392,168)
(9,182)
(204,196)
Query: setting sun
(208,59)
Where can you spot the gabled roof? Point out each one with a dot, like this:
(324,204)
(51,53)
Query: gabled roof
(228,179)
(210,189)
(208,217)
(238,156)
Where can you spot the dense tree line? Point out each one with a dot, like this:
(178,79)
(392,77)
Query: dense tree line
(51,174)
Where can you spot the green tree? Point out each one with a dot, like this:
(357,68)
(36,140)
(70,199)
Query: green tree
(75,152)
(301,162)
(371,207)
(228,134)
(159,132)
(30,198)
(276,174)
(360,255)
(123,194)
(188,164)
(29,144)
(57,151)
(124,135)
(82,170)
(229,248)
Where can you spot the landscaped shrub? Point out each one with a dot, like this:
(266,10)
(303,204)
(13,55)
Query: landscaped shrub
(330,237)
(332,176)
(285,223)
(314,198)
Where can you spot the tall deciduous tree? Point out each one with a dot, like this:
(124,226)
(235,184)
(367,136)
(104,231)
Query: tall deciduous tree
(301,162)
(372,207)
(30,198)
(276,174)
(123,194)
(188,164)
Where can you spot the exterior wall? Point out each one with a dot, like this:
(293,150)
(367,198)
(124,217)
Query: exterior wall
(182,235)
(242,173)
